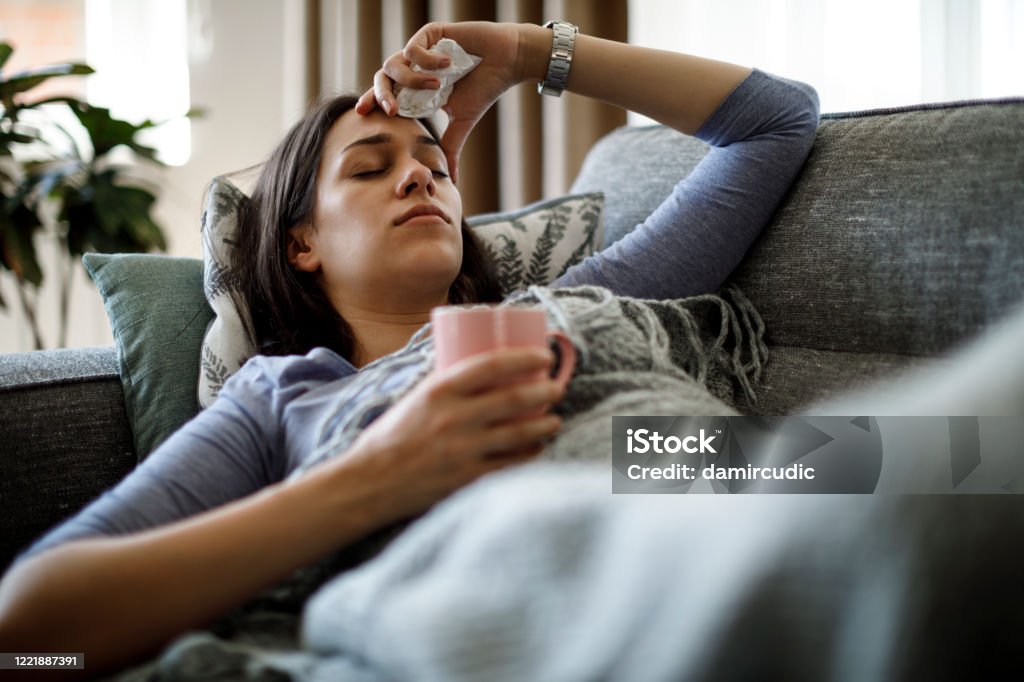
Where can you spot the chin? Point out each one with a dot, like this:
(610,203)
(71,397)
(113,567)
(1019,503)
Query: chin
(433,272)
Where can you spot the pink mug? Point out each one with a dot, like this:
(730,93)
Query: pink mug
(461,331)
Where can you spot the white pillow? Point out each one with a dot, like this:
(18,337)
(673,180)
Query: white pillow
(533,245)
(226,345)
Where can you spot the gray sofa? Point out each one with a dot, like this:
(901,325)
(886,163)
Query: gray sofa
(900,242)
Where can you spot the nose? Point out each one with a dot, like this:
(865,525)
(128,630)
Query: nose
(415,176)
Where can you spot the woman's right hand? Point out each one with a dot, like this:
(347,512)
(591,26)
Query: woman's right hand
(504,63)
(456,425)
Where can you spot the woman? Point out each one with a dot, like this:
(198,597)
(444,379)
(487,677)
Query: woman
(357,235)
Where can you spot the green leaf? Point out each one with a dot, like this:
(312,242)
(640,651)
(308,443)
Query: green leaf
(124,214)
(591,216)
(26,80)
(83,228)
(61,99)
(20,138)
(5,52)
(510,265)
(107,132)
(540,261)
(17,249)
(554,232)
(11,137)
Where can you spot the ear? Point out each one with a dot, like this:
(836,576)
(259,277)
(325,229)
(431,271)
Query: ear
(301,252)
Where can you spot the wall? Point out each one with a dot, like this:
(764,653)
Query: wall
(247,71)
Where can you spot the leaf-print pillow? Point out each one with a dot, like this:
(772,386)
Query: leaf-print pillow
(533,245)
(538,243)
(226,345)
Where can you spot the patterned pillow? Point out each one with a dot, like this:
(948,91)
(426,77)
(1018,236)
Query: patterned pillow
(533,245)
(538,243)
(226,345)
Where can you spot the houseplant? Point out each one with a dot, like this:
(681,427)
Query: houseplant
(85,197)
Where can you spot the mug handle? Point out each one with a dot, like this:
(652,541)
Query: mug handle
(566,357)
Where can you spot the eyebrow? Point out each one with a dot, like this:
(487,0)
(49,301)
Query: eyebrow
(384,138)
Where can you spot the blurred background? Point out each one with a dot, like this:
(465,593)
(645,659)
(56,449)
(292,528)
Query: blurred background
(253,66)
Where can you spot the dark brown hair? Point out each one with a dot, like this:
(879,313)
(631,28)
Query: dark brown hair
(288,311)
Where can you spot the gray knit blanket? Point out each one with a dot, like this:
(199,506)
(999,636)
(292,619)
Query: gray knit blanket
(697,356)
(685,357)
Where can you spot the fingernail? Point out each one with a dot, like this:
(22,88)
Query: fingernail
(388,107)
(445,63)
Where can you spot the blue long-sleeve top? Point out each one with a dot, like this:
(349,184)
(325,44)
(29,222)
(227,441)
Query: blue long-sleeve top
(264,422)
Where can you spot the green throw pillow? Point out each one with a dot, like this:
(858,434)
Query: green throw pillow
(158,314)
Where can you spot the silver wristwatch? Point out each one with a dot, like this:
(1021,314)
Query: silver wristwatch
(562,42)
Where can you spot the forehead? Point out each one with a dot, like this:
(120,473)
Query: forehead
(351,127)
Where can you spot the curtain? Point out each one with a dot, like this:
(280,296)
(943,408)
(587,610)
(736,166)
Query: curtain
(528,147)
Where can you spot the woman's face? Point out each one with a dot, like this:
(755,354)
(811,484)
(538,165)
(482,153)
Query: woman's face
(386,231)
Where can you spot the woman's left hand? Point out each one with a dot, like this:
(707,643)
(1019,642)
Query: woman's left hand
(500,47)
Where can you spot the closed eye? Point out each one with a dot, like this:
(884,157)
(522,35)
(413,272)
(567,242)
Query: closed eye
(381,171)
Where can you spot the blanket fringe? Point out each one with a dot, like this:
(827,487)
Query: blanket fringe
(739,325)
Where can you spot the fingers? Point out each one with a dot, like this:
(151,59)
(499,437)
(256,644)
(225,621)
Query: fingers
(398,69)
(367,102)
(383,92)
(417,50)
(520,437)
(457,132)
(513,401)
(425,59)
(504,460)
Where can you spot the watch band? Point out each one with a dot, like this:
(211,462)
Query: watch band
(562,43)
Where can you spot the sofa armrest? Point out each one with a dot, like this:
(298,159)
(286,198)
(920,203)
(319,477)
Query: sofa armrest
(64,439)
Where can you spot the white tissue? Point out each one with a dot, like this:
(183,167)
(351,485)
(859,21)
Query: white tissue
(414,103)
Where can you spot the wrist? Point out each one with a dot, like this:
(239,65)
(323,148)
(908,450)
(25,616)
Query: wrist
(367,481)
(351,495)
(534,51)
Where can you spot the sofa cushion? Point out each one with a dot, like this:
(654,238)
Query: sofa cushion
(901,236)
(158,315)
(65,438)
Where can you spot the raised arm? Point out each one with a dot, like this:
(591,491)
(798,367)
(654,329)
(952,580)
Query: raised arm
(678,90)
(760,136)
(675,89)
(761,128)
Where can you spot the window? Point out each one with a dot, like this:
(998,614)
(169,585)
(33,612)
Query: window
(140,52)
(858,55)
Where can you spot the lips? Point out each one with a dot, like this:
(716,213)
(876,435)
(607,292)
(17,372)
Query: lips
(422,210)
